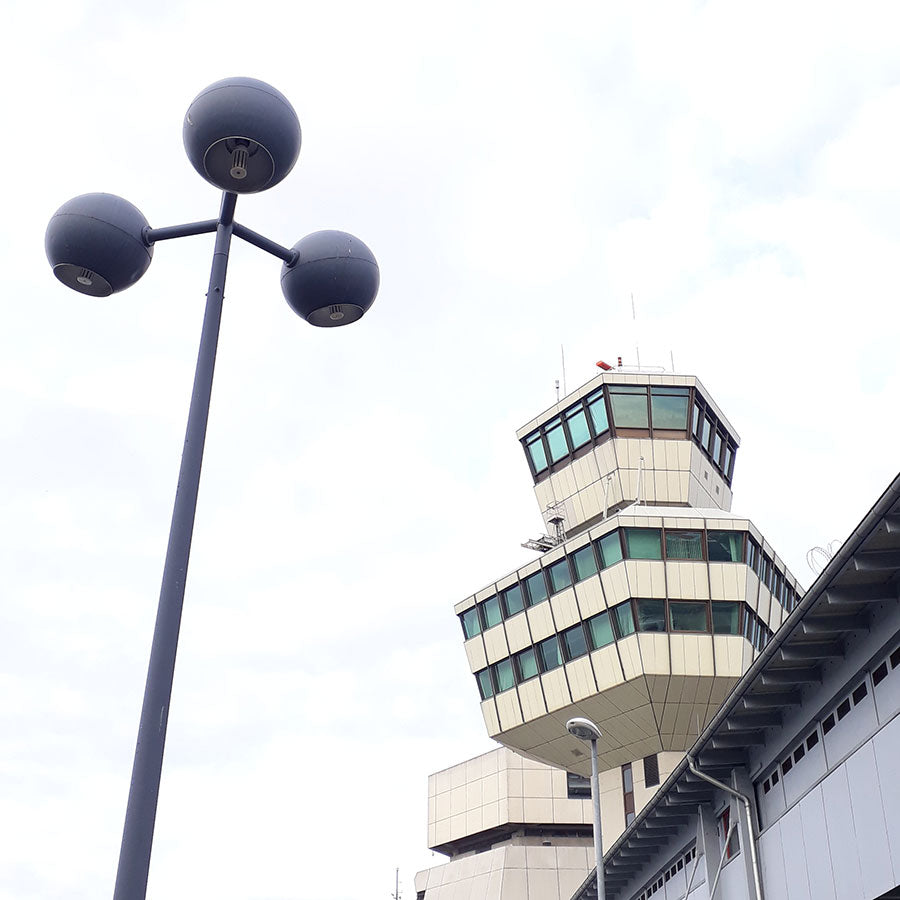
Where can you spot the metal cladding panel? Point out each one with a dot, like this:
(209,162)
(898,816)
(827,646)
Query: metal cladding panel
(887,694)
(771,859)
(803,774)
(868,818)
(771,804)
(795,855)
(887,752)
(818,851)
(674,887)
(850,731)
(733,882)
(842,836)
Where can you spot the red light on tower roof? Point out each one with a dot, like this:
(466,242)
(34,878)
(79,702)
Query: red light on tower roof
(603,365)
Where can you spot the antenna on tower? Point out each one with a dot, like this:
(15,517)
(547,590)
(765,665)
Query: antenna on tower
(637,348)
(557,390)
(562,354)
(396,894)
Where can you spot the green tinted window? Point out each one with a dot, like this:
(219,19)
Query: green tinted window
(578,428)
(610,548)
(643,543)
(574,642)
(535,447)
(726,617)
(687,616)
(503,675)
(485,685)
(526,663)
(708,431)
(669,407)
(584,562)
(556,440)
(623,619)
(651,615)
(513,601)
(470,622)
(597,408)
(725,546)
(601,631)
(560,577)
(684,544)
(490,612)
(536,588)
(549,654)
(717,448)
(629,406)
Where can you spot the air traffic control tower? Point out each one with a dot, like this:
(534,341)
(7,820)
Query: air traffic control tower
(648,601)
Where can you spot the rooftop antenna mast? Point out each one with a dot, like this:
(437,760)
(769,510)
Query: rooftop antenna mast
(562,354)
(637,348)
(396,894)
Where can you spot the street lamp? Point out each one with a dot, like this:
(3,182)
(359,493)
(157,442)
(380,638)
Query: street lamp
(586,730)
(243,137)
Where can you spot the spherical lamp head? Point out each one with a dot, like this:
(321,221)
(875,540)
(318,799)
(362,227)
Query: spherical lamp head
(95,244)
(583,729)
(241,135)
(333,280)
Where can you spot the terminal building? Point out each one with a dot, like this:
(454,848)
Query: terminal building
(649,601)
(791,791)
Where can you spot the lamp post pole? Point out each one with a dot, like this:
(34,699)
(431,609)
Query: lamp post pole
(242,136)
(143,795)
(586,730)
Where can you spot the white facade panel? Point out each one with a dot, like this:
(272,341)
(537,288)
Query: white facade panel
(841,834)
(804,772)
(868,818)
(733,881)
(850,731)
(817,846)
(887,755)
(887,693)
(794,849)
(771,803)
(771,861)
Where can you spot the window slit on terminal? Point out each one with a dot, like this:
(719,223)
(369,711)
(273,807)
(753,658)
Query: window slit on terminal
(666,874)
(827,723)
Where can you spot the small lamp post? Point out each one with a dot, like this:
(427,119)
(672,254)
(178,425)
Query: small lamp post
(586,730)
(243,137)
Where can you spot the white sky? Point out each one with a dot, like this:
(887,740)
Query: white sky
(518,170)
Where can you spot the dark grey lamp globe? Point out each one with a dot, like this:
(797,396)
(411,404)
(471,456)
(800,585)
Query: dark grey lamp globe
(95,244)
(242,135)
(333,280)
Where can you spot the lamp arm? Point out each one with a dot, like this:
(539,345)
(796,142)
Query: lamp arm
(152,235)
(258,240)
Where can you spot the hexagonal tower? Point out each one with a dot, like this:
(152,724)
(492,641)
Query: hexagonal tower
(650,597)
